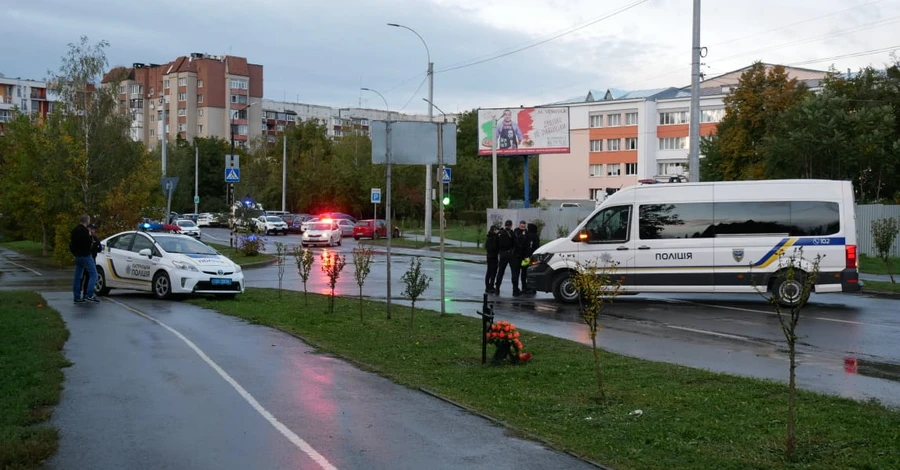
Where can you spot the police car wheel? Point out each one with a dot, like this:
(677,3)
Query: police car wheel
(162,286)
(564,288)
(100,288)
(790,292)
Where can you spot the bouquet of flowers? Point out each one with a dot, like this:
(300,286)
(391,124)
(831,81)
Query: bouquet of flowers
(504,336)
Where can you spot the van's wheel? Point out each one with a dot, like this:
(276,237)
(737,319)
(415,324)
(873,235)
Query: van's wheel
(564,288)
(100,287)
(162,286)
(790,292)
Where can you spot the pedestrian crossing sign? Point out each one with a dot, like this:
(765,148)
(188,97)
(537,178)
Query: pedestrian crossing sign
(232,175)
(445,175)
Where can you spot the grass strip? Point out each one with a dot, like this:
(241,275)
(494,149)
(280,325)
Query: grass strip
(882,286)
(871,265)
(691,419)
(238,257)
(32,336)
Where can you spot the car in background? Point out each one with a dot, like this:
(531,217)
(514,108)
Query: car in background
(337,215)
(205,220)
(346,226)
(270,224)
(374,229)
(165,264)
(188,227)
(295,222)
(322,233)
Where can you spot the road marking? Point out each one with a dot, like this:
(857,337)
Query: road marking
(708,332)
(290,435)
(726,307)
(24,267)
(212,236)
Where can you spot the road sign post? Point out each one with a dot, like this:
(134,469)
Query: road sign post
(376,199)
(232,175)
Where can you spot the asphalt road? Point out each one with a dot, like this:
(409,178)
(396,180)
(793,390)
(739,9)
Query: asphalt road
(169,385)
(847,346)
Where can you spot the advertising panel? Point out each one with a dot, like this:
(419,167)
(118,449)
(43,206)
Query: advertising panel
(523,131)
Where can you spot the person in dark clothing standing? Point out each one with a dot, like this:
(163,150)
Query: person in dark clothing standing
(95,249)
(533,241)
(505,245)
(520,251)
(490,245)
(80,246)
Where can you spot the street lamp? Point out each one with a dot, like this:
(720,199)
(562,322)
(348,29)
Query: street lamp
(387,202)
(231,185)
(428,169)
(441,222)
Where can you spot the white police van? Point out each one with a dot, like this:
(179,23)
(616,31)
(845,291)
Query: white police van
(732,237)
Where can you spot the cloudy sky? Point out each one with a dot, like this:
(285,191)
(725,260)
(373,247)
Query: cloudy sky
(322,52)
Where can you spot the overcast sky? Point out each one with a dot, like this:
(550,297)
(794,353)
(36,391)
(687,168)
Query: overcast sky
(321,52)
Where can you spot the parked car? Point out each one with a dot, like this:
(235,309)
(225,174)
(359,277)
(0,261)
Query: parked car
(322,233)
(205,220)
(374,229)
(188,227)
(165,264)
(270,224)
(295,222)
(346,226)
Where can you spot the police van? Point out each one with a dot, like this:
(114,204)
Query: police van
(733,237)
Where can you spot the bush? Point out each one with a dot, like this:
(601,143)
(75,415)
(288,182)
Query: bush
(251,245)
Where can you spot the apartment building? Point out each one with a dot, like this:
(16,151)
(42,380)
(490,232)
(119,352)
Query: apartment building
(24,96)
(338,121)
(621,137)
(199,95)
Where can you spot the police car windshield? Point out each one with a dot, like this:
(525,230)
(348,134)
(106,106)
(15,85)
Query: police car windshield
(182,244)
(273,219)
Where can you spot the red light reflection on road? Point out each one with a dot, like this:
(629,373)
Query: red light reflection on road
(850,365)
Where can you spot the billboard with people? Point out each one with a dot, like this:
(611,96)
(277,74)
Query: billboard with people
(523,131)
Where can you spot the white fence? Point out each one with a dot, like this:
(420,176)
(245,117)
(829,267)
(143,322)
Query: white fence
(568,218)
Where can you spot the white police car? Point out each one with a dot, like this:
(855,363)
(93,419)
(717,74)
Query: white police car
(165,264)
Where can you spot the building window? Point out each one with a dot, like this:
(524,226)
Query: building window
(182,97)
(182,112)
(613,169)
(596,120)
(199,83)
(596,170)
(166,84)
(182,127)
(631,168)
(614,120)
(242,129)
(596,146)
(199,128)
(280,127)
(631,143)
(364,122)
(712,115)
(675,117)
(631,119)
(152,133)
(597,194)
(199,98)
(673,143)
(152,118)
(122,89)
(200,112)
(135,89)
(136,104)
(239,99)
(182,82)
(238,84)
(613,145)
(671,169)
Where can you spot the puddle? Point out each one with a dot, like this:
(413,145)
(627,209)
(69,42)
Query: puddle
(879,370)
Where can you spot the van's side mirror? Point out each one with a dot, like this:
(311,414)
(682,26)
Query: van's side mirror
(583,236)
(146,252)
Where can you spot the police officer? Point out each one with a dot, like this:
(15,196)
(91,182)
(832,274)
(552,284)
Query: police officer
(520,252)
(95,249)
(505,245)
(490,245)
(532,241)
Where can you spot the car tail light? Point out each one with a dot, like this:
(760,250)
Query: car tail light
(852,259)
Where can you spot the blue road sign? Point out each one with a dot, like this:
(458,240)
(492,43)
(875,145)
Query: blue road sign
(376,195)
(232,175)
(445,175)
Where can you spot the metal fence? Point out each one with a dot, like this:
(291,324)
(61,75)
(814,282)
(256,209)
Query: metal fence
(566,219)
(865,214)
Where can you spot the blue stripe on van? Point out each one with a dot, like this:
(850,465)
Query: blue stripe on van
(821,241)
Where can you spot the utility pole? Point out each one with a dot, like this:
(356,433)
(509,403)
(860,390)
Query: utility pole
(387,202)
(196,180)
(441,222)
(494,157)
(284,166)
(694,136)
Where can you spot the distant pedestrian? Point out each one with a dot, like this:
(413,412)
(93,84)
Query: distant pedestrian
(533,241)
(80,244)
(505,245)
(490,246)
(95,249)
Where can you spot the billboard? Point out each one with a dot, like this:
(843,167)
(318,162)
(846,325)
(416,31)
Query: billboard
(523,131)
(413,142)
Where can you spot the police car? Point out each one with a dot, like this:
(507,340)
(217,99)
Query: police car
(165,264)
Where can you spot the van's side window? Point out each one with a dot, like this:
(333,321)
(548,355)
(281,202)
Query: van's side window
(610,225)
(667,221)
(753,218)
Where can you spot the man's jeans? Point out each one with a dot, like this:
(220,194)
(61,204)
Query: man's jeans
(82,264)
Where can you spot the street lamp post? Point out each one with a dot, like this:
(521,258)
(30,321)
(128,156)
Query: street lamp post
(428,169)
(165,138)
(387,202)
(231,185)
(441,221)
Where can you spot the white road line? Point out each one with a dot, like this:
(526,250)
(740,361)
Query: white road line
(295,439)
(213,237)
(707,332)
(726,307)
(24,267)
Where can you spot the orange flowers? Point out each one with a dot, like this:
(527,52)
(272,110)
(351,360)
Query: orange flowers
(504,335)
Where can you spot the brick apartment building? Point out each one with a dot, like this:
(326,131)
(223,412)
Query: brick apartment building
(201,94)
(24,96)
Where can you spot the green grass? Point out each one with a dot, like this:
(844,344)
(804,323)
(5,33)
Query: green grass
(870,265)
(691,419)
(238,257)
(882,286)
(25,247)
(31,339)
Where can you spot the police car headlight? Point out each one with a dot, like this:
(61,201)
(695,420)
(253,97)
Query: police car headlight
(237,268)
(541,258)
(185,266)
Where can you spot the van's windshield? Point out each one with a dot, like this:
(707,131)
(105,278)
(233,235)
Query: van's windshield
(611,225)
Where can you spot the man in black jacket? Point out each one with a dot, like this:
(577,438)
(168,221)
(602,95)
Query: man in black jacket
(80,245)
(505,245)
(95,249)
(520,252)
(490,245)
(533,241)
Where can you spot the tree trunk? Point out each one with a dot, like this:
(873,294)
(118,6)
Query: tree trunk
(412,316)
(792,395)
(305,299)
(597,365)
(360,306)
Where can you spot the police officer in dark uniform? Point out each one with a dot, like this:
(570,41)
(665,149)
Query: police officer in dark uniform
(520,252)
(490,245)
(533,241)
(505,245)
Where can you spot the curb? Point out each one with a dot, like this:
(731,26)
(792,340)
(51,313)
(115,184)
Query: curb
(881,293)
(258,264)
(374,370)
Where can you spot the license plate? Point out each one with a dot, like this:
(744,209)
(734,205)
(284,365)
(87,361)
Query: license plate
(218,281)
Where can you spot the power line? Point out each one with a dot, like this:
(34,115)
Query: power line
(496,56)
(846,56)
(398,85)
(413,95)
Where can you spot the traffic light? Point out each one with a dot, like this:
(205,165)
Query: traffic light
(446,200)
